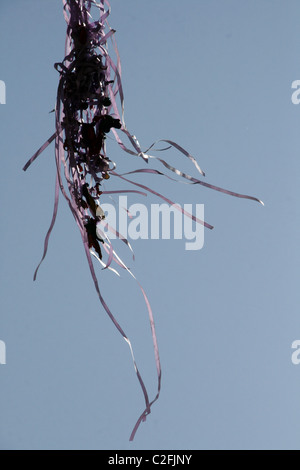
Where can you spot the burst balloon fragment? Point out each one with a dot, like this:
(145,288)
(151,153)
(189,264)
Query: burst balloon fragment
(89,107)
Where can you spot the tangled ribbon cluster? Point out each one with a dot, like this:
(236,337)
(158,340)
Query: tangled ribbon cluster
(86,111)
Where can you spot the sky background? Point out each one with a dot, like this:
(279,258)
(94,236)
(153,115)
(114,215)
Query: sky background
(215,76)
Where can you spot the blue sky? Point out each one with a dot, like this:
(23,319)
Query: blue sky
(216,78)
